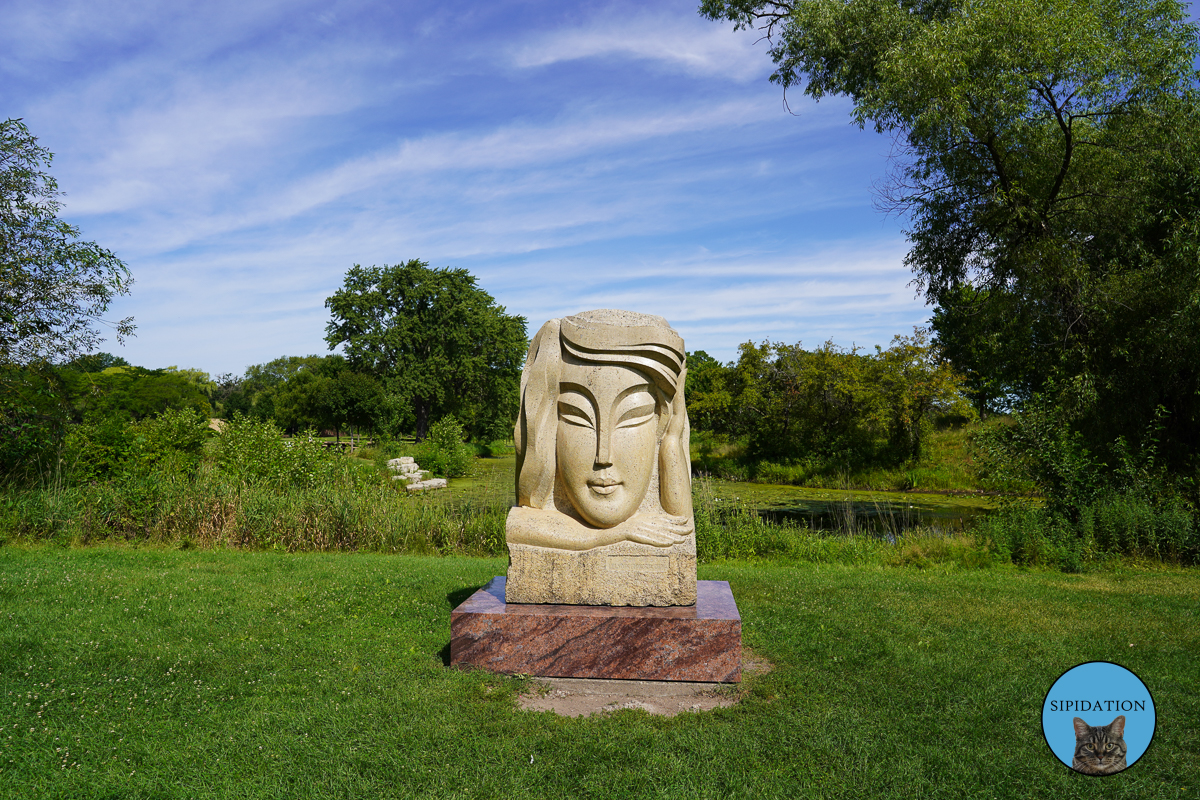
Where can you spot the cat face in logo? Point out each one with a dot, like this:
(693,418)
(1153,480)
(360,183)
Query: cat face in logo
(1100,749)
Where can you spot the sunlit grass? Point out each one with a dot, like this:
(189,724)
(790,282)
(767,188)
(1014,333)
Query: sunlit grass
(216,673)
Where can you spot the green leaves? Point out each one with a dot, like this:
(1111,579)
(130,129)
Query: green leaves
(254,452)
(444,453)
(53,287)
(829,403)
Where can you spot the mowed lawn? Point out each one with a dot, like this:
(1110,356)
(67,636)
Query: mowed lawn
(135,673)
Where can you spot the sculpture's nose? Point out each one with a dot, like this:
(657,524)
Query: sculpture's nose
(603,435)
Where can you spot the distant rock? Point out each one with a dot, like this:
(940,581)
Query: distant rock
(422,486)
(416,479)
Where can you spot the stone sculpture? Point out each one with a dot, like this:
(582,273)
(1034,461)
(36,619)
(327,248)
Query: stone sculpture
(604,501)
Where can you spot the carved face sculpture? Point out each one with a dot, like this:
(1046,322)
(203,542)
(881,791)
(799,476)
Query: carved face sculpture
(602,413)
(605,447)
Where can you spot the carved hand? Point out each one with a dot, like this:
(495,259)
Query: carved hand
(554,529)
(675,481)
(661,530)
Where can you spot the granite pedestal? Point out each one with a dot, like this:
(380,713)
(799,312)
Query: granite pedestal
(676,643)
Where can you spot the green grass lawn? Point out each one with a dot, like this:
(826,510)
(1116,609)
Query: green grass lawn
(144,673)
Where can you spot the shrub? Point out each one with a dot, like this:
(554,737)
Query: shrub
(96,450)
(172,442)
(254,452)
(444,453)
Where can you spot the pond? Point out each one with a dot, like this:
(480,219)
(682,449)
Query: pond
(491,482)
(851,510)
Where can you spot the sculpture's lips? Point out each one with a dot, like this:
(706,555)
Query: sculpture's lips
(603,486)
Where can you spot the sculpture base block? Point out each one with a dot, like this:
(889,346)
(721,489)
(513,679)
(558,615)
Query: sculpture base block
(679,643)
(621,574)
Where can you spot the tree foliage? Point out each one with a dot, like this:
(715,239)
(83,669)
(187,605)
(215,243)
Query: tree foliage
(828,404)
(132,393)
(439,343)
(54,288)
(301,392)
(1049,154)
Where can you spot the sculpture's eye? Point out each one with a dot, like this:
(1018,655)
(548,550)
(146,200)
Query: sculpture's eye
(636,416)
(573,412)
(636,409)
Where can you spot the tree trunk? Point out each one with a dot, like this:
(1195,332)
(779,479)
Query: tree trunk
(422,411)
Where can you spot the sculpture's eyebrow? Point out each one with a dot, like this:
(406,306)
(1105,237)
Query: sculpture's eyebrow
(632,390)
(582,391)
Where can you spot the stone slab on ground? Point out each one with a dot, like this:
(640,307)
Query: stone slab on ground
(581,697)
(700,643)
(424,486)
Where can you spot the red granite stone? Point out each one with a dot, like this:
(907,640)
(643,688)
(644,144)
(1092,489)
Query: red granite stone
(677,643)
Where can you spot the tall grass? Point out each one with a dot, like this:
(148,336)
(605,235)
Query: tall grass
(214,510)
(1118,524)
(250,490)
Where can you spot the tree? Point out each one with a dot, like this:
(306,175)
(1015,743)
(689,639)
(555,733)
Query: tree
(328,395)
(917,383)
(54,288)
(355,398)
(435,339)
(96,362)
(992,345)
(1050,172)
(255,394)
(299,403)
(709,393)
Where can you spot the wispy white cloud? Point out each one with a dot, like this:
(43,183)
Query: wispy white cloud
(688,44)
(195,139)
(494,183)
(509,147)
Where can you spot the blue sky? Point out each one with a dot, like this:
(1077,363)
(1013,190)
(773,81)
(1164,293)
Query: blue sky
(241,156)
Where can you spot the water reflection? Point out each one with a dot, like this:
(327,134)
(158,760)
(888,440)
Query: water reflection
(883,514)
(871,517)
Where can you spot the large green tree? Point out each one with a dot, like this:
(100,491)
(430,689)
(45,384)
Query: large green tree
(255,393)
(329,395)
(54,288)
(1049,174)
(437,341)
